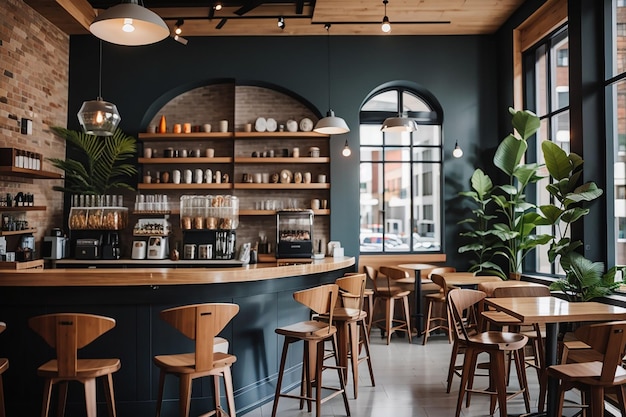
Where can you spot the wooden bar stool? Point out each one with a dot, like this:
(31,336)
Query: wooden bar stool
(201,323)
(389,294)
(313,333)
(350,321)
(438,300)
(68,332)
(4,365)
(494,343)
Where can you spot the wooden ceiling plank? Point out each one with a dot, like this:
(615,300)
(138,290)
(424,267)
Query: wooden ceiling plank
(80,10)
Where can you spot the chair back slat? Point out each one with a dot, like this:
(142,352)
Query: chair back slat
(201,323)
(392,273)
(321,299)
(68,332)
(352,288)
(608,339)
(372,275)
(440,270)
(440,281)
(464,304)
(530,291)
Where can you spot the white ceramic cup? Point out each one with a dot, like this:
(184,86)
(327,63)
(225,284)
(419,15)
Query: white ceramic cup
(321,178)
(265,177)
(206,127)
(258,177)
(315,204)
(208,176)
(199,175)
(295,152)
(147,152)
(306,177)
(218,177)
(209,152)
(176,176)
(247,127)
(188,176)
(223,125)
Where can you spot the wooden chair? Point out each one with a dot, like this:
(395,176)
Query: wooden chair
(201,323)
(535,333)
(595,377)
(314,333)
(495,344)
(438,300)
(389,294)
(350,320)
(4,365)
(66,333)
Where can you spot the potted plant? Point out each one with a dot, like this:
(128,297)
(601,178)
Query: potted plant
(103,162)
(584,279)
(513,220)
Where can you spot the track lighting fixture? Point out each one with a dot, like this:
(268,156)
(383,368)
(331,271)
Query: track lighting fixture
(386,26)
(457,152)
(346,150)
(218,6)
(221,23)
(179,24)
(129,24)
(281,22)
(331,124)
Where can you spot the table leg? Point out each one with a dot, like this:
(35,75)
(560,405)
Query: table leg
(553,383)
(417,313)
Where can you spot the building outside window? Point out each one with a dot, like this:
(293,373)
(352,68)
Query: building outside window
(615,85)
(400,174)
(546,88)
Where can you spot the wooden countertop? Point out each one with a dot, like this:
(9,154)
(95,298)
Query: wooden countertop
(117,277)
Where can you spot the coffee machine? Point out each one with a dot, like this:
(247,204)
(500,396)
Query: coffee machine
(55,245)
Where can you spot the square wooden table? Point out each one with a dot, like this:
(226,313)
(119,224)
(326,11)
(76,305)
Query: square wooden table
(551,311)
(489,287)
(467,279)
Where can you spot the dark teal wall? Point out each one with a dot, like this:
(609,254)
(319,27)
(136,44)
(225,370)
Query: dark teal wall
(461,71)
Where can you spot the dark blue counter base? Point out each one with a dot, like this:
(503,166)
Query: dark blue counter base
(140,334)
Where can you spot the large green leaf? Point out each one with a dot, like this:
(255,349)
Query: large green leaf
(551,213)
(525,122)
(558,164)
(586,192)
(481,183)
(527,174)
(509,154)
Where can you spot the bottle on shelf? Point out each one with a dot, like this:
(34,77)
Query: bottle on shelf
(162,125)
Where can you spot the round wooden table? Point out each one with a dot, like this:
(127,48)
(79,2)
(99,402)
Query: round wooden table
(417,312)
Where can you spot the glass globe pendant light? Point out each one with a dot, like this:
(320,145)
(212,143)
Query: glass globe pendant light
(99,117)
(331,124)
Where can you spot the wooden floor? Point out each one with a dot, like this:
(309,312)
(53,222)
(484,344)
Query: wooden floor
(410,382)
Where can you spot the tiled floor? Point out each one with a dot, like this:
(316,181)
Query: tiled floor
(410,382)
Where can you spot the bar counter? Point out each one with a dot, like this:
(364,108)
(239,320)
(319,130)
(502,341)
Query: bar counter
(72,277)
(134,297)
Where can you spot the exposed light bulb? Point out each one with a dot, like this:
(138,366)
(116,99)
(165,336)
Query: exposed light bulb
(386,26)
(179,26)
(346,150)
(281,22)
(128,25)
(218,6)
(457,152)
(178,31)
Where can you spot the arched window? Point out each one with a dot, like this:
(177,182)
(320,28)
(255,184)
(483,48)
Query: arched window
(400,173)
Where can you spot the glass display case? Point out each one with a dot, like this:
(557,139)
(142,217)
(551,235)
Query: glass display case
(294,234)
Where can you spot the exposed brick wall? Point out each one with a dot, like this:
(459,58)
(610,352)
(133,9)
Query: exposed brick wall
(34,70)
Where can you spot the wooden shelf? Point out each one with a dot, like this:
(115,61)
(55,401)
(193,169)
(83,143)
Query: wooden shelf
(273,212)
(18,232)
(191,160)
(155,137)
(281,160)
(24,208)
(30,173)
(34,264)
(170,186)
(265,135)
(281,186)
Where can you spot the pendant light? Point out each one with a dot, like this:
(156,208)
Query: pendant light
(386,26)
(129,24)
(457,152)
(331,124)
(346,151)
(99,117)
(399,124)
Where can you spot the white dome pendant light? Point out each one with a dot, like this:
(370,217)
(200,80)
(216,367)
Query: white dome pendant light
(331,124)
(129,24)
